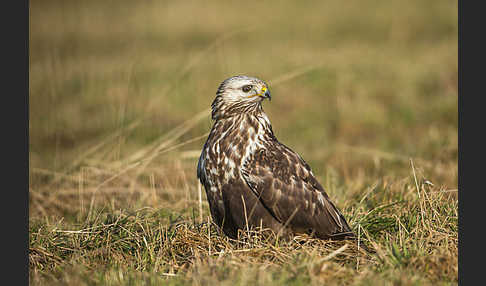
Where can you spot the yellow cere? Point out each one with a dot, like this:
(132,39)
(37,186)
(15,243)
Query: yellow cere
(262,92)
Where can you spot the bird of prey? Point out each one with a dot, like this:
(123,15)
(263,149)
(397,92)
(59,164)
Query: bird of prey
(253,180)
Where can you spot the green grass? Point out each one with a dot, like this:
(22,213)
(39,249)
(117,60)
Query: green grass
(119,92)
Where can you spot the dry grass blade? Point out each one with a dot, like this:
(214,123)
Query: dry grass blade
(293,74)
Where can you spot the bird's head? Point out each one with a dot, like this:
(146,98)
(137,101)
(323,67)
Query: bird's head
(239,94)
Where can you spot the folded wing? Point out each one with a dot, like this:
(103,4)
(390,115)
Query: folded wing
(284,183)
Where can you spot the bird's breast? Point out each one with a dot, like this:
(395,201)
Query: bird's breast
(230,144)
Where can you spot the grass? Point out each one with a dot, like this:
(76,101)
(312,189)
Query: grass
(415,238)
(118,109)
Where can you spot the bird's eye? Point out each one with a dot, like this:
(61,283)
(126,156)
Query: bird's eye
(247,88)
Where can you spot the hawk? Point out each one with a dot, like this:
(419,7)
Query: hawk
(253,180)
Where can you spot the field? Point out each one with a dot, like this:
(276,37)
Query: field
(120,91)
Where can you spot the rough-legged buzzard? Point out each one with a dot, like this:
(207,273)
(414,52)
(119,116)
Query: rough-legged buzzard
(251,179)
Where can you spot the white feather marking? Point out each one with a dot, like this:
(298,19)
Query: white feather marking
(320,197)
(228,174)
(231,164)
(255,179)
(236,153)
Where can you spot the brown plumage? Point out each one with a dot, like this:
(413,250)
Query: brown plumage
(250,177)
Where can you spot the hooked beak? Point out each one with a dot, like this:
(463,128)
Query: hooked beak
(266,94)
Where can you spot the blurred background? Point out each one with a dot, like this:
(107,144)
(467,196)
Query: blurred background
(120,91)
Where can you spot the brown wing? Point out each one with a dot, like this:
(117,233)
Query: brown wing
(286,186)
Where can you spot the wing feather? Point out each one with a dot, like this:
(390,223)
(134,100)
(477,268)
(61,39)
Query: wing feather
(284,183)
